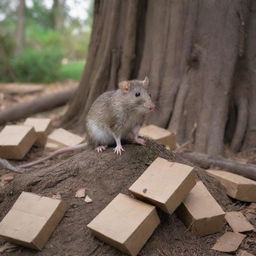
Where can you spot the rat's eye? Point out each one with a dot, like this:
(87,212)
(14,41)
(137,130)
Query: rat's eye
(137,94)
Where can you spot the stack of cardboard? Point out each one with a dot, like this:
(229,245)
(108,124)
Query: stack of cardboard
(127,223)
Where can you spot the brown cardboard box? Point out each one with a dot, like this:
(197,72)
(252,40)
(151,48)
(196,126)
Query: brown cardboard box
(31,220)
(64,138)
(164,184)
(160,135)
(200,212)
(236,186)
(16,141)
(125,223)
(42,127)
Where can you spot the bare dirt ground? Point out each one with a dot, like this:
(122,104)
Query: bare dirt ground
(104,176)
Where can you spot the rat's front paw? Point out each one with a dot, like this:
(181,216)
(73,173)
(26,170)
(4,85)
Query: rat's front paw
(100,148)
(118,150)
(140,141)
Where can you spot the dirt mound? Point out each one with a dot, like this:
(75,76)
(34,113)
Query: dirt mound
(105,175)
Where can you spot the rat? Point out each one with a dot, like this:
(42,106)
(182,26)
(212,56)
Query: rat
(114,115)
(119,114)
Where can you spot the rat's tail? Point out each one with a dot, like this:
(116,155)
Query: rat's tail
(55,153)
(5,164)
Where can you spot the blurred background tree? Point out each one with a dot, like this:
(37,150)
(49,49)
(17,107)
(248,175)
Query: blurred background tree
(43,40)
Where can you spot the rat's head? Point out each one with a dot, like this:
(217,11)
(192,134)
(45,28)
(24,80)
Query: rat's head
(136,96)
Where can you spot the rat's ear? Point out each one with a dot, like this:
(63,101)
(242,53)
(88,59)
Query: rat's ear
(124,86)
(145,82)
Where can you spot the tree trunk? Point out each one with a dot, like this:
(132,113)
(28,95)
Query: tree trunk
(199,56)
(57,14)
(20,36)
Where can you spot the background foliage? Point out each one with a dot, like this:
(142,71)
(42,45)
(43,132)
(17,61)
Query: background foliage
(45,45)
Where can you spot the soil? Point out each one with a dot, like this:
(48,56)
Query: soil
(104,176)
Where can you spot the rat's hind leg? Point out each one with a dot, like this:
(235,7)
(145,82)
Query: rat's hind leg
(135,132)
(101,148)
(118,149)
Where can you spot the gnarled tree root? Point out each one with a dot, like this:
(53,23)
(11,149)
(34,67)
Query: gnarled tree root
(206,161)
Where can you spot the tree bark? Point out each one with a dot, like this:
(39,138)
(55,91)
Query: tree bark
(41,104)
(20,33)
(199,56)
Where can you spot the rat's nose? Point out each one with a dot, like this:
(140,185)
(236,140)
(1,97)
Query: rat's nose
(151,106)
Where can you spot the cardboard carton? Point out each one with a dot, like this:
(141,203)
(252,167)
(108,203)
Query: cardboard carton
(160,135)
(236,186)
(164,184)
(125,223)
(200,212)
(64,138)
(16,141)
(31,220)
(42,127)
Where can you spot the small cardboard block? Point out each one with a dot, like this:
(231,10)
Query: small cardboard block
(229,242)
(238,222)
(236,186)
(244,253)
(64,138)
(50,146)
(125,223)
(160,135)
(16,141)
(164,184)
(31,220)
(42,127)
(200,212)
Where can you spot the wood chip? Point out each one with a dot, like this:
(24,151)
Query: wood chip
(80,193)
(88,199)
(238,222)
(229,242)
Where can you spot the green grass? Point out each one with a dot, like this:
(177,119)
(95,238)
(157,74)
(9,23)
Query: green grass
(72,70)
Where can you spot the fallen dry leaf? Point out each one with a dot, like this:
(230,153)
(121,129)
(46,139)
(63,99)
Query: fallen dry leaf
(7,178)
(80,193)
(238,222)
(88,199)
(229,242)
(7,247)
